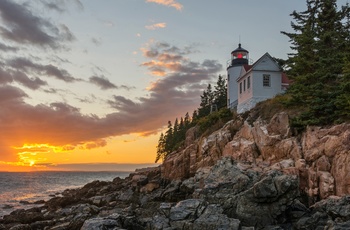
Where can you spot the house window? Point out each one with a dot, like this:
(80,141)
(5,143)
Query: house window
(248,83)
(240,87)
(244,85)
(266,80)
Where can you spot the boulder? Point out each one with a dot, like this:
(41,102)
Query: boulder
(326,184)
(139,180)
(150,187)
(279,125)
(212,219)
(341,173)
(186,209)
(110,222)
(331,213)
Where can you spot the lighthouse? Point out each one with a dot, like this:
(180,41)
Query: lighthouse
(248,84)
(239,59)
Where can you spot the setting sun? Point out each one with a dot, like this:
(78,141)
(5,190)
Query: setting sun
(99,155)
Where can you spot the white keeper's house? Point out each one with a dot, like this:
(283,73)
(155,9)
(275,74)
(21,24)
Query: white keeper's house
(250,84)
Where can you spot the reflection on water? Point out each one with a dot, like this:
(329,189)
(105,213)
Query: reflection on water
(34,186)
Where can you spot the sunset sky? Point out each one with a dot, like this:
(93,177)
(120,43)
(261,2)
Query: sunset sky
(90,84)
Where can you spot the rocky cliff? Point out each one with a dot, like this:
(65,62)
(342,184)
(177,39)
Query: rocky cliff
(248,175)
(319,157)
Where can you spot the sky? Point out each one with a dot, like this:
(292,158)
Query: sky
(91,84)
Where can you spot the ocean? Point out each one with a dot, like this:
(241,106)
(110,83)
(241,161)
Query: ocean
(20,189)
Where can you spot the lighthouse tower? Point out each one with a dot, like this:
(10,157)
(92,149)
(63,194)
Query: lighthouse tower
(239,59)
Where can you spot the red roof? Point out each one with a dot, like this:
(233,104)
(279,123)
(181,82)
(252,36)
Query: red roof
(247,67)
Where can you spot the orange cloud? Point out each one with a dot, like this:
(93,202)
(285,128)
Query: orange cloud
(169,3)
(158,68)
(94,144)
(156,26)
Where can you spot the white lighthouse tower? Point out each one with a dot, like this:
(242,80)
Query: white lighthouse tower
(239,59)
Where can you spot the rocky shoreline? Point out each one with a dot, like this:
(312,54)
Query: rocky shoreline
(228,195)
(245,176)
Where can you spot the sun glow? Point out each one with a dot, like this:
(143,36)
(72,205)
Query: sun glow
(34,155)
(48,157)
(36,148)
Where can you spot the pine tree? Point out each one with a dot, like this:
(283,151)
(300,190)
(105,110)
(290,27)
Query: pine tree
(320,42)
(161,153)
(330,44)
(220,93)
(169,139)
(194,117)
(182,132)
(343,98)
(207,99)
(176,128)
(187,121)
(302,63)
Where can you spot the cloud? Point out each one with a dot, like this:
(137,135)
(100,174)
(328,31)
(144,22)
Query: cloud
(60,5)
(176,93)
(171,58)
(21,26)
(5,77)
(4,47)
(30,67)
(96,41)
(11,76)
(104,83)
(169,3)
(61,124)
(156,26)
(54,6)
(31,83)
(94,144)
(66,34)
(10,93)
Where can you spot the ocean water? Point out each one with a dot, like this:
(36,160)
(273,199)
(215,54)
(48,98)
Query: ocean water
(17,189)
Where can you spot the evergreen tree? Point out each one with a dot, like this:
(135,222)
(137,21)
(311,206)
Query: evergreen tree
(320,42)
(207,99)
(194,117)
(182,132)
(187,121)
(343,97)
(176,127)
(210,94)
(169,139)
(220,93)
(161,153)
(330,44)
(302,63)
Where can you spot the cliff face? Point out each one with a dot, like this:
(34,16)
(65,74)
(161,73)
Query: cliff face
(319,157)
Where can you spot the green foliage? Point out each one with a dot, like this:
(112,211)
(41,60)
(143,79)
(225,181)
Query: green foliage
(320,65)
(175,135)
(220,93)
(214,120)
(207,99)
(217,98)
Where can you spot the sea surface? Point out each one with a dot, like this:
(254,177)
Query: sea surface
(20,189)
